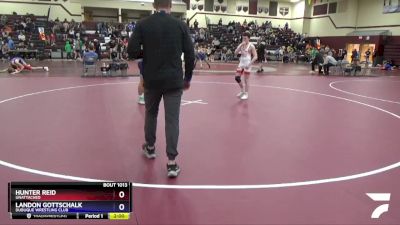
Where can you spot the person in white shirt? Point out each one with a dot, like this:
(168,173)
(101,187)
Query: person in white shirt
(21,37)
(216,43)
(328,62)
(248,55)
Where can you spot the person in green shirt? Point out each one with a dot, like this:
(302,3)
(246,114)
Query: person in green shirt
(314,52)
(68,50)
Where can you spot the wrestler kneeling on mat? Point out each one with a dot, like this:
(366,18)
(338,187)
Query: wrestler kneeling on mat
(18,64)
(248,55)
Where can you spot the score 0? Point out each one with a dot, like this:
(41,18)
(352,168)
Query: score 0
(121,194)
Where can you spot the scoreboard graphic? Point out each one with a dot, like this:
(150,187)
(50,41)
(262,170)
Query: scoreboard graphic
(70,200)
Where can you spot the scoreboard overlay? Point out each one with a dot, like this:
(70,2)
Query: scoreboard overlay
(70,200)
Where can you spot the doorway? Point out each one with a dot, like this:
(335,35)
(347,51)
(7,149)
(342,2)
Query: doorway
(361,49)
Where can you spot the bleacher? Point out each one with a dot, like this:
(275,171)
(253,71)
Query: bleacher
(285,37)
(392,52)
(33,36)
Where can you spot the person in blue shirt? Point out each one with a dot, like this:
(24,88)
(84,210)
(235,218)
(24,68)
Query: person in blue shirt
(10,43)
(91,54)
(90,57)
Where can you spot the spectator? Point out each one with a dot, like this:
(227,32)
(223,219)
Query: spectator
(68,49)
(131,26)
(314,52)
(223,54)
(112,45)
(388,65)
(1,50)
(52,39)
(216,43)
(318,60)
(3,19)
(21,37)
(5,50)
(229,54)
(124,33)
(23,25)
(77,48)
(328,62)
(83,47)
(119,47)
(97,48)
(196,24)
(374,59)
(90,57)
(202,35)
(10,43)
(65,26)
(367,54)
(354,55)
(327,49)
(344,55)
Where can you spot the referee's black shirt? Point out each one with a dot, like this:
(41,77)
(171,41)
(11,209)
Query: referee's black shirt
(164,39)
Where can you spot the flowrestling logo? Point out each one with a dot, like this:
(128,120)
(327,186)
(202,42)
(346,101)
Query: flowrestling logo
(383,198)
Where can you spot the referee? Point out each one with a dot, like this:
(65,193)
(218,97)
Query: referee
(162,39)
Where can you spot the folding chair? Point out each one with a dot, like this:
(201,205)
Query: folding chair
(89,64)
(342,66)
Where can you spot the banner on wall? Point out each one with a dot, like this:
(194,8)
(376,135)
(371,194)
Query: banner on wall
(220,6)
(197,5)
(284,11)
(262,10)
(391,6)
(242,6)
(391,9)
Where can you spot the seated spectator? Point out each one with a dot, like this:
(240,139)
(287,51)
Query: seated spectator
(318,60)
(3,19)
(328,62)
(90,57)
(10,43)
(124,33)
(21,45)
(65,25)
(71,33)
(21,37)
(343,56)
(52,39)
(216,43)
(30,27)
(5,50)
(388,65)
